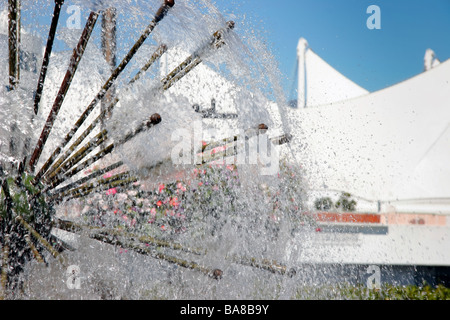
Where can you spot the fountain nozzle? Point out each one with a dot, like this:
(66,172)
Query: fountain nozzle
(162,11)
(217,274)
(169,3)
(154,119)
(262,128)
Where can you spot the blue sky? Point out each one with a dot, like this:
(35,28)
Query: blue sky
(337,31)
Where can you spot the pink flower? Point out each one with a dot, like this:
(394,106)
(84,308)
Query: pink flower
(111,191)
(161,187)
(174,202)
(180,216)
(181,187)
(153,212)
(108,175)
(200,184)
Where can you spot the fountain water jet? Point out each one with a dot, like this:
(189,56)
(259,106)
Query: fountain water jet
(233,221)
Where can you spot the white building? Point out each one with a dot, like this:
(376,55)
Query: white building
(389,145)
(390,149)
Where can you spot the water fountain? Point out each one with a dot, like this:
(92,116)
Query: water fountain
(100,209)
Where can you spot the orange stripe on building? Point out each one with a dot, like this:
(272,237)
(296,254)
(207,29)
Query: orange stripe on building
(348,217)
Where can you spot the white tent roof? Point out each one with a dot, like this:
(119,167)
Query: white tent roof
(391,144)
(325,85)
(321,84)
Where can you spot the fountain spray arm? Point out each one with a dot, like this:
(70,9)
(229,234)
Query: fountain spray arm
(160,14)
(64,88)
(189,64)
(48,51)
(196,58)
(14,8)
(58,179)
(64,159)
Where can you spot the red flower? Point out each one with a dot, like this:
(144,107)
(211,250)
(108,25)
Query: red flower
(161,187)
(111,191)
(174,202)
(159,203)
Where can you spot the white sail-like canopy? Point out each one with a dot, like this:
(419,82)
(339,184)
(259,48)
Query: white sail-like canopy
(319,83)
(387,145)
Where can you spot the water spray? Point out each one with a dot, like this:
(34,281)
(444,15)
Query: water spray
(27,213)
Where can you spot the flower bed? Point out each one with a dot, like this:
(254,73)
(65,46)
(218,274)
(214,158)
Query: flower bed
(198,203)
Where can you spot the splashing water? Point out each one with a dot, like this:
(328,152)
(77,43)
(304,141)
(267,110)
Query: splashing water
(239,226)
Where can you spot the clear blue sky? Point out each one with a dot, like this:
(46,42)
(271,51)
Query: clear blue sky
(336,30)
